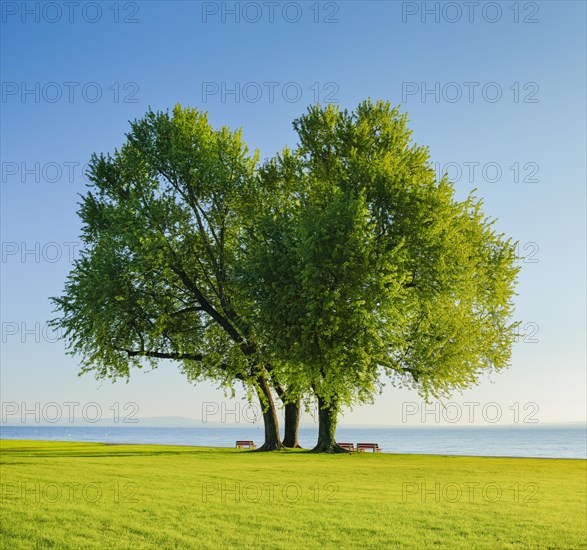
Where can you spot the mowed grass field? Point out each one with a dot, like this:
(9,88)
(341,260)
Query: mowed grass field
(87,495)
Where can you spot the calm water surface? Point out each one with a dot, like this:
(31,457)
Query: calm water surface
(551,442)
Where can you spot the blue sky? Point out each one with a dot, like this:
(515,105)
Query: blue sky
(497,93)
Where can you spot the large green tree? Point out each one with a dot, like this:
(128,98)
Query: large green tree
(367,266)
(162,230)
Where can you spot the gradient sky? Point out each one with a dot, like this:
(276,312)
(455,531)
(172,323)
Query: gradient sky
(504,95)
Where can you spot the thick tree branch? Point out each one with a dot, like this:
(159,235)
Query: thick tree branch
(207,306)
(176,357)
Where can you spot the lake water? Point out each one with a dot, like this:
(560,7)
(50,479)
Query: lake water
(551,441)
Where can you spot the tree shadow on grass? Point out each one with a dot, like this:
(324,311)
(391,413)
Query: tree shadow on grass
(61,449)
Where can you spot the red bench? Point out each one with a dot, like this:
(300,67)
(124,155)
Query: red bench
(347,446)
(368,446)
(245,445)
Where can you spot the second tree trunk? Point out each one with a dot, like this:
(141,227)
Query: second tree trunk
(292,422)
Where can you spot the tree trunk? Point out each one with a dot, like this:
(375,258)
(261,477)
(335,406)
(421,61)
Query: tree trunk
(292,423)
(272,440)
(327,418)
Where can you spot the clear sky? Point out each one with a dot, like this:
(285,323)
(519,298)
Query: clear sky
(496,89)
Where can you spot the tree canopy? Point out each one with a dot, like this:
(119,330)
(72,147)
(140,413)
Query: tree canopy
(325,271)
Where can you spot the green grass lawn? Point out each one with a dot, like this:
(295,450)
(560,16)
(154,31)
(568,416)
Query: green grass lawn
(89,495)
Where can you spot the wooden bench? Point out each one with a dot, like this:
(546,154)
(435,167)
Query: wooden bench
(368,446)
(347,446)
(245,445)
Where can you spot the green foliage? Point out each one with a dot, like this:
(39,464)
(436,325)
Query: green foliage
(332,265)
(161,224)
(366,265)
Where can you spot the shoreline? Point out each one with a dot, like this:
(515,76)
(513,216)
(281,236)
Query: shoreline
(292,451)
